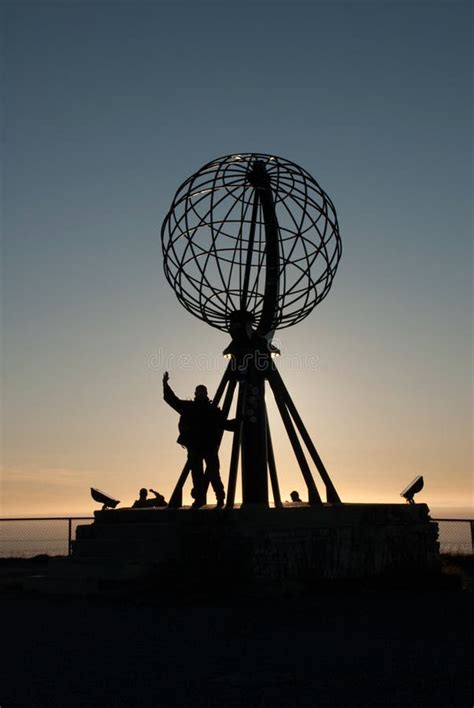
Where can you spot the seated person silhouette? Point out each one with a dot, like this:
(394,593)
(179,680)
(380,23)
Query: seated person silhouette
(295,497)
(200,430)
(143,502)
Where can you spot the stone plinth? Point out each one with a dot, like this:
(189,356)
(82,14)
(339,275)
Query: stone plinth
(274,550)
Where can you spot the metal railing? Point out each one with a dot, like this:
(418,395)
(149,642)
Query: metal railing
(28,537)
(456,536)
(38,535)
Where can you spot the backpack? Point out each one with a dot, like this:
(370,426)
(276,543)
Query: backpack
(199,425)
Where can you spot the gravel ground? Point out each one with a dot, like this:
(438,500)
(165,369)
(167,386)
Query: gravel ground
(343,648)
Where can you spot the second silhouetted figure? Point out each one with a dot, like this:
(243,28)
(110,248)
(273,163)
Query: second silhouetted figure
(200,430)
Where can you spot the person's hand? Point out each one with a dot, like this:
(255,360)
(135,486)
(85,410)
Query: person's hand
(165,377)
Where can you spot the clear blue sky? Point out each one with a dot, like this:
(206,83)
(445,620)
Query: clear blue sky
(108,107)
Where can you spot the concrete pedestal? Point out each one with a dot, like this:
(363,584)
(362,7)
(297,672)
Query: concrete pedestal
(267,550)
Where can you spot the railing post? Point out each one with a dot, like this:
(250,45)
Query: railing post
(69,545)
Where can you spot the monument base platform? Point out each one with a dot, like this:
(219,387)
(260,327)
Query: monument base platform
(272,551)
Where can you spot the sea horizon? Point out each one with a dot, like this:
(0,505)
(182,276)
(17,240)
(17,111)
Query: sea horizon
(436,511)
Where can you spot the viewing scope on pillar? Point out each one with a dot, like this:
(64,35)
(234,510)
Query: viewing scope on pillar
(250,245)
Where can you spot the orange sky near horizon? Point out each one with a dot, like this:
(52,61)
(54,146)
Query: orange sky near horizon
(372,443)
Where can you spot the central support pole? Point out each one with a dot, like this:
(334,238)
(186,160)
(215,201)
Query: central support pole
(254,439)
(254,352)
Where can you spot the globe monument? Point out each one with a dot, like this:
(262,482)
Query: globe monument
(251,245)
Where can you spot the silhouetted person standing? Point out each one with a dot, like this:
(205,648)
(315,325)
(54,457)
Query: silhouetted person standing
(200,431)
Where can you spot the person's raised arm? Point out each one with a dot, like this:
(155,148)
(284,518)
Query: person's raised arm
(158,496)
(170,397)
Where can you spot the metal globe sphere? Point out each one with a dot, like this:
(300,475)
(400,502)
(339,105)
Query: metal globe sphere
(215,234)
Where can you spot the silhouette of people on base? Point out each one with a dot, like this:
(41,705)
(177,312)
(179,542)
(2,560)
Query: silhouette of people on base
(200,430)
(295,497)
(143,502)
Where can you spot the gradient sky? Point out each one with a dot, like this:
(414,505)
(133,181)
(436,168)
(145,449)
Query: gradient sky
(108,107)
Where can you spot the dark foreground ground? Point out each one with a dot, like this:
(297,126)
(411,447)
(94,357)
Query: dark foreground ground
(341,647)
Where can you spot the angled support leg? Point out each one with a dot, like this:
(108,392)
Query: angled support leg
(234,457)
(272,467)
(313,494)
(176,499)
(223,383)
(229,395)
(331,494)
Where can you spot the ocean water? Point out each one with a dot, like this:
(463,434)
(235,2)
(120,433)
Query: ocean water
(26,538)
(452,512)
(454,536)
